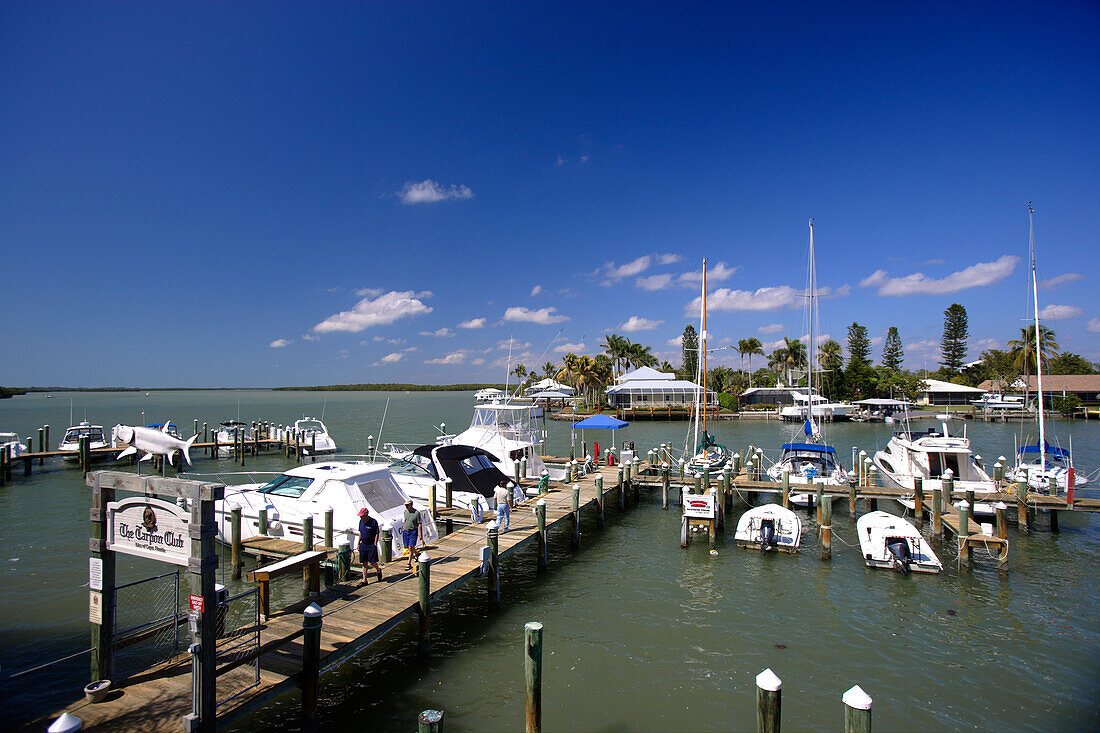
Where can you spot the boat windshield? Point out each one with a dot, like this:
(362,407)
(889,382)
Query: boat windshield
(289,486)
(310,426)
(8,437)
(75,434)
(382,495)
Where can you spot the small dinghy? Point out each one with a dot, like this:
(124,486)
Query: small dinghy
(769,527)
(891,542)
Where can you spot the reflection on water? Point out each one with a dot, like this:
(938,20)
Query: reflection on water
(640,634)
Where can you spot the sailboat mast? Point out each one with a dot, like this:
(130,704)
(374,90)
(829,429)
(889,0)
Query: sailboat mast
(703,343)
(1038,347)
(699,360)
(810,348)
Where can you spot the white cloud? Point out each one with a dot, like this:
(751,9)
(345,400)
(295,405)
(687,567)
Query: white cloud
(842,292)
(668,259)
(630,269)
(566,348)
(771,328)
(678,342)
(1060,312)
(369,292)
(455,357)
(473,323)
(279,343)
(512,344)
(310,337)
(428,191)
(384,309)
(637,323)
(934,261)
(393,358)
(384,340)
(979,275)
(543,316)
(654,282)
(1059,280)
(762,299)
(439,332)
(877,340)
(984,345)
(717,273)
(536,290)
(1093,325)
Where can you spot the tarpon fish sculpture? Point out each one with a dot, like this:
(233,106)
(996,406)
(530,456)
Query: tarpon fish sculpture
(152,442)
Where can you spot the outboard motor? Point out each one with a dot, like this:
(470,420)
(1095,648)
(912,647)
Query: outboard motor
(899,548)
(767,535)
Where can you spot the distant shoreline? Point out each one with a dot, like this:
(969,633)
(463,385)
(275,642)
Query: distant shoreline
(382,387)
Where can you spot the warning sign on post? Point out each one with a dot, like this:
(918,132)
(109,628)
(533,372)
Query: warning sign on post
(196,603)
(95,607)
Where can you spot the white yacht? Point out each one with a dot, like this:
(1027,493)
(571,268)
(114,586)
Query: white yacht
(309,490)
(1037,467)
(488,394)
(769,527)
(509,432)
(473,474)
(891,542)
(822,409)
(70,442)
(997,402)
(226,435)
(313,433)
(11,440)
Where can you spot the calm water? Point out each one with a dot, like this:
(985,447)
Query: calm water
(640,635)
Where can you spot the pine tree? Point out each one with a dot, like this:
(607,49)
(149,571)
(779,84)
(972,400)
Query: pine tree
(859,345)
(690,346)
(892,352)
(955,333)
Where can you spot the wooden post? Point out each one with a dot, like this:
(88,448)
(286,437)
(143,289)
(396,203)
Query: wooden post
(429,721)
(964,534)
(852,502)
(343,562)
(1021,505)
(431,499)
(857,711)
(948,483)
(576,540)
(424,571)
(262,520)
(636,473)
(826,506)
(387,544)
(41,443)
(310,680)
(307,545)
(727,476)
(203,566)
(328,527)
(599,500)
(785,491)
(448,492)
(235,538)
(818,496)
(622,488)
(918,501)
(863,468)
(46,429)
(1054,520)
(1001,510)
(706,478)
(103,633)
(698,483)
(769,692)
(206,439)
(666,477)
(492,537)
(532,675)
(937,514)
(969,494)
(998,473)
(682,463)
(540,516)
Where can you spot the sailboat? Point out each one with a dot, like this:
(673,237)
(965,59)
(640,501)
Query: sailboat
(812,460)
(709,454)
(1041,463)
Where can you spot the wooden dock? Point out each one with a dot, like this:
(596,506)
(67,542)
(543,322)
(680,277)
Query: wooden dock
(353,617)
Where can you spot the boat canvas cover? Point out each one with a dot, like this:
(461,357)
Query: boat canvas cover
(464,466)
(810,447)
(1050,450)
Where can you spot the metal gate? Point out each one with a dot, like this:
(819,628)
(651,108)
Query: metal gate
(238,637)
(147,624)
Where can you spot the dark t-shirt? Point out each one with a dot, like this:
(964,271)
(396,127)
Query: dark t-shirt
(368,531)
(412,520)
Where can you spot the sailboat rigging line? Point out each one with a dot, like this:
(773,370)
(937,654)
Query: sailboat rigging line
(537,359)
(381,427)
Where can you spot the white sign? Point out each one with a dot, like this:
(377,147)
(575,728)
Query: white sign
(95,573)
(699,506)
(95,607)
(150,528)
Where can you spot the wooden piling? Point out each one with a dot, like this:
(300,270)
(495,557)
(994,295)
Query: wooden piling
(261,520)
(622,488)
(769,692)
(540,517)
(424,571)
(41,443)
(492,538)
(727,477)
(103,642)
(448,491)
(964,534)
(857,711)
(937,514)
(576,539)
(343,562)
(826,528)
(785,491)
(1021,505)
(387,545)
(665,479)
(818,496)
(45,427)
(599,500)
(852,502)
(310,679)
(532,675)
(636,473)
(429,721)
(432,500)
(948,483)
(698,483)
(235,538)
(328,527)
(918,502)
(307,545)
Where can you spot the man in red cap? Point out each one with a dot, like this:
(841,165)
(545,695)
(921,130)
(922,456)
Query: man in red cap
(368,543)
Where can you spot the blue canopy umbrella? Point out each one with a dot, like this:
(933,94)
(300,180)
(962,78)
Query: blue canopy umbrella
(601,422)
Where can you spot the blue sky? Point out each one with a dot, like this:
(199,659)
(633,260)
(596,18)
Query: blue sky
(255,194)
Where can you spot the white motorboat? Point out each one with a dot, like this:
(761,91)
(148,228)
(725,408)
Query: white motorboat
(891,542)
(769,527)
(227,433)
(509,432)
(473,475)
(708,454)
(70,442)
(997,402)
(822,409)
(489,394)
(307,491)
(11,442)
(313,433)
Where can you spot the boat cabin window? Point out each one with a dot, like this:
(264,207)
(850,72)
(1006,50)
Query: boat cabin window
(940,462)
(382,495)
(473,464)
(289,486)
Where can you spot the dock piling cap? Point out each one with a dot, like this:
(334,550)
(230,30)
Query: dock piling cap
(312,611)
(66,724)
(857,698)
(424,558)
(1000,505)
(768,681)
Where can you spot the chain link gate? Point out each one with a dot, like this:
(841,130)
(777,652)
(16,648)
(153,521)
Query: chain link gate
(147,624)
(238,624)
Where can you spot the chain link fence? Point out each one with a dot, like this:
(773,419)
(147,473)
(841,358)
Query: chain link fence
(147,624)
(238,626)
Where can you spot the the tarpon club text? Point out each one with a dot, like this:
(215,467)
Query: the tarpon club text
(137,534)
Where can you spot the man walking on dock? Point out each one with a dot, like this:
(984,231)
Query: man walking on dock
(503,495)
(411,531)
(368,543)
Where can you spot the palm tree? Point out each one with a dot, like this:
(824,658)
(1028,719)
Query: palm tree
(567,373)
(753,347)
(616,347)
(640,356)
(1022,350)
(549,369)
(777,360)
(796,355)
(521,373)
(830,356)
(742,349)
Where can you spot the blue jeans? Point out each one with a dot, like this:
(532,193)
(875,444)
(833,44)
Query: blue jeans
(504,514)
